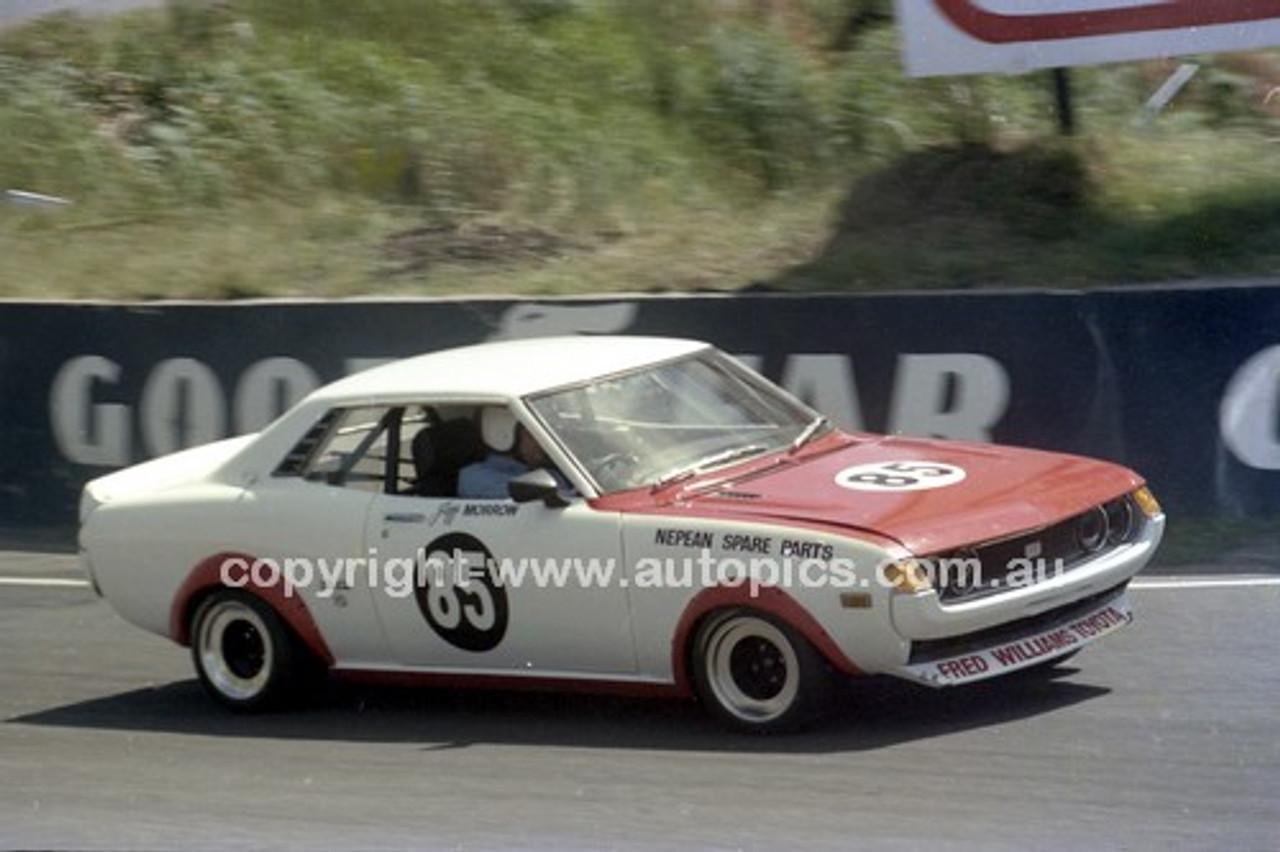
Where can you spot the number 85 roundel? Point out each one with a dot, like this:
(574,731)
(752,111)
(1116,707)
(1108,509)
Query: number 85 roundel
(458,595)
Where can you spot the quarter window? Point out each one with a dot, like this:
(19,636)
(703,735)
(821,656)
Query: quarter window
(353,451)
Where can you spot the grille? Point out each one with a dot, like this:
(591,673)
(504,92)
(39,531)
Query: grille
(1036,556)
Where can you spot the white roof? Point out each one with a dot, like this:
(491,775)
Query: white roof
(508,369)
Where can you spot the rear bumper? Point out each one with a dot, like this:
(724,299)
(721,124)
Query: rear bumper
(86,566)
(1022,644)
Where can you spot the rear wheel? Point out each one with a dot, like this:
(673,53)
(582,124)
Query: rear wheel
(245,656)
(756,674)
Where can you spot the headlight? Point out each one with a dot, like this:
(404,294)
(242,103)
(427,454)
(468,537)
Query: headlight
(1092,529)
(1120,519)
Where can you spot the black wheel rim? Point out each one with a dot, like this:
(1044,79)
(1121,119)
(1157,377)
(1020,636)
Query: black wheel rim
(243,649)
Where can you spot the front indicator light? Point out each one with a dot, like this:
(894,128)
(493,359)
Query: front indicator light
(907,575)
(1147,502)
(855,600)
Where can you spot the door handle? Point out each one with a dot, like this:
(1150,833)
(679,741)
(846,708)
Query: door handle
(404,518)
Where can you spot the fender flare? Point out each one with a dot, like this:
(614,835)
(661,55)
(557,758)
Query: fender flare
(207,577)
(768,600)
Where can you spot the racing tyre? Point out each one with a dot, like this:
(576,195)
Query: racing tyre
(246,657)
(757,674)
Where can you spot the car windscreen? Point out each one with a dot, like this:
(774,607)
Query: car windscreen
(671,420)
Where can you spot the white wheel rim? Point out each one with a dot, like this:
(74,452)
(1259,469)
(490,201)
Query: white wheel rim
(752,669)
(235,650)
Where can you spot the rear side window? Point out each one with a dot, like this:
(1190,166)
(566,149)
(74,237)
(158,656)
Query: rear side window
(296,461)
(346,447)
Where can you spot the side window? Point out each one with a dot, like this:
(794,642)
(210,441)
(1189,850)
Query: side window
(351,451)
(416,450)
(436,442)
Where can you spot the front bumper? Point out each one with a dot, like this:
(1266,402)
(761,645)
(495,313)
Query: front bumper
(1022,644)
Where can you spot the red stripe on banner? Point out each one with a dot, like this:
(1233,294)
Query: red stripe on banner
(1001,28)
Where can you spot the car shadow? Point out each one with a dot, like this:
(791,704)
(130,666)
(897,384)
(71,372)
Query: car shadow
(866,715)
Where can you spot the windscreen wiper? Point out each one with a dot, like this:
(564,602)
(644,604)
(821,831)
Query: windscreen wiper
(707,463)
(810,432)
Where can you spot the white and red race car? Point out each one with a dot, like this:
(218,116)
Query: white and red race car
(666,521)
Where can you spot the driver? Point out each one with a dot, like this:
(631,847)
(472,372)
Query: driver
(512,451)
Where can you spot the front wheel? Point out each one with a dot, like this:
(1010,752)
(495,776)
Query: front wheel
(244,654)
(757,674)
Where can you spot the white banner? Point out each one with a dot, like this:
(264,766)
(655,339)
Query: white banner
(945,37)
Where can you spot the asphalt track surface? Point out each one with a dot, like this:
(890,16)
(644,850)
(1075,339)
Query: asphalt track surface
(1164,736)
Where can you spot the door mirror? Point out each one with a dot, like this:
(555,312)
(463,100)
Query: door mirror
(537,484)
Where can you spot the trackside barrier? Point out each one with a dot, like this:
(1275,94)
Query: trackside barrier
(1181,383)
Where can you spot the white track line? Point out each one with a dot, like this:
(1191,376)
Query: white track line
(44,582)
(1202,583)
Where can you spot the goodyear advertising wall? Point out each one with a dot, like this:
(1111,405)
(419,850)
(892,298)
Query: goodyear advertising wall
(1182,384)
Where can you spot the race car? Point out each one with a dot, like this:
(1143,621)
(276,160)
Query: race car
(635,514)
